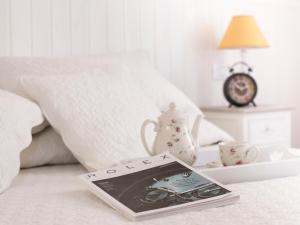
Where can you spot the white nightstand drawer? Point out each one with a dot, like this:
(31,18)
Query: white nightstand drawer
(262,125)
(264,130)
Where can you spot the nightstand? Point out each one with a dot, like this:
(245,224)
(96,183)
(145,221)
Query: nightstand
(262,125)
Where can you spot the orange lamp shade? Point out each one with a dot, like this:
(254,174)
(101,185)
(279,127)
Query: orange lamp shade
(243,32)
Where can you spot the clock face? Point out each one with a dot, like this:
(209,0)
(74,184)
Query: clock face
(240,89)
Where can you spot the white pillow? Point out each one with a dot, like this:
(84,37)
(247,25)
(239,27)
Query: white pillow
(161,91)
(17,117)
(13,67)
(40,127)
(98,116)
(47,148)
(136,61)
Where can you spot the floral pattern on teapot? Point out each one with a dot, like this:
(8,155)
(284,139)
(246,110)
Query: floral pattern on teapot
(173,135)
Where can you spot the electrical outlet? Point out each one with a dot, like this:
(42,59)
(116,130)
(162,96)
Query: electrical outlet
(220,72)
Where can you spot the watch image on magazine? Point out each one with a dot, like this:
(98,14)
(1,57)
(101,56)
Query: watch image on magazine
(154,185)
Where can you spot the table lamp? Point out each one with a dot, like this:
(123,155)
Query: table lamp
(243,33)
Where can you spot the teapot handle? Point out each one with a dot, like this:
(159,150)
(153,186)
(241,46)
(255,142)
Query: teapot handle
(143,129)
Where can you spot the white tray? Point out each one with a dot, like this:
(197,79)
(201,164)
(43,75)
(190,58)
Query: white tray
(263,169)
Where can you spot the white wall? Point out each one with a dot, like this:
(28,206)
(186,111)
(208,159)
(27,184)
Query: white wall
(181,36)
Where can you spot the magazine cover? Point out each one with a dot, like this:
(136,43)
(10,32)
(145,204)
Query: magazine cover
(153,185)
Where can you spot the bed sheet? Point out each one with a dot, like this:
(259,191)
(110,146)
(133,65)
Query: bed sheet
(54,195)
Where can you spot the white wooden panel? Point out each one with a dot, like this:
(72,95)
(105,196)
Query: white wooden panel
(176,42)
(191,49)
(61,27)
(98,26)
(80,27)
(41,27)
(162,37)
(20,27)
(4,28)
(115,27)
(132,24)
(147,25)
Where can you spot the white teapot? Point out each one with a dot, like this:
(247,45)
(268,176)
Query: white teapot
(173,135)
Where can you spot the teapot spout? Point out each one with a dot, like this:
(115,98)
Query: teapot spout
(195,130)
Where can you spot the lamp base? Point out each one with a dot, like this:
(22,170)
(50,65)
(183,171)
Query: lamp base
(243,54)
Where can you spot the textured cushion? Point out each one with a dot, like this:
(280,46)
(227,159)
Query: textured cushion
(136,61)
(47,148)
(40,127)
(161,92)
(17,117)
(13,67)
(98,116)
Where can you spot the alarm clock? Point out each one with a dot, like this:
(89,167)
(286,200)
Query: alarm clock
(240,88)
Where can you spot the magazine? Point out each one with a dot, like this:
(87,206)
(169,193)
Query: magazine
(156,185)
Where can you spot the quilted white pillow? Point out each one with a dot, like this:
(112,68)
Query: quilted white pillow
(161,92)
(98,116)
(138,62)
(13,67)
(47,148)
(17,117)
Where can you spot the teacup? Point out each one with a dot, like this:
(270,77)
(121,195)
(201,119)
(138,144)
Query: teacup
(236,153)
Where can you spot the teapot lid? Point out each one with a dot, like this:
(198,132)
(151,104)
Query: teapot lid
(171,113)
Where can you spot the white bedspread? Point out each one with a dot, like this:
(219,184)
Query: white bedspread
(55,196)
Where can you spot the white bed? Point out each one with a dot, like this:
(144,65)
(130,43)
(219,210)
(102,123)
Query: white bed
(54,195)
